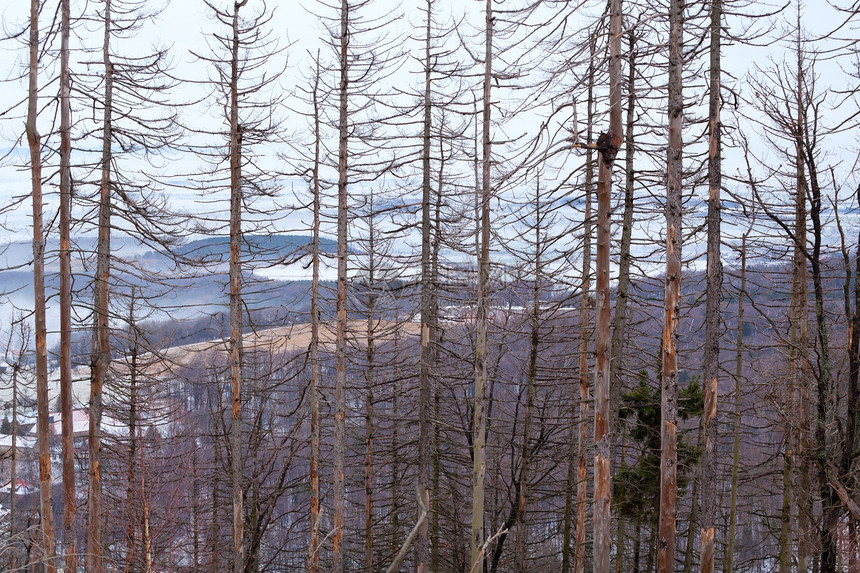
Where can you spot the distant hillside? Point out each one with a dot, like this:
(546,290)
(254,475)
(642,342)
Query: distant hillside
(254,248)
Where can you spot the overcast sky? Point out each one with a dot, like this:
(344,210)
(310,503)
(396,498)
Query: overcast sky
(186,26)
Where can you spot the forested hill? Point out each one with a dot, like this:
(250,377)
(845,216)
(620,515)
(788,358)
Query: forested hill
(255,248)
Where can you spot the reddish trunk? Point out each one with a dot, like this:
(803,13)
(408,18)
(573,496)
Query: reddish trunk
(33,140)
(671,302)
(608,144)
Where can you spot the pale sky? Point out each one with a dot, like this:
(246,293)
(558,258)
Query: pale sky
(184,26)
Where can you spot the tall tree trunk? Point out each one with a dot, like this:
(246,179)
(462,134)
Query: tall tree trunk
(340,340)
(803,378)
(652,547)
(195,509)
(531,379)
(46,516)
(736,430)
(214,527)
(671,302)
(584,336)
(370,380)
(13,462)
(236,351)
(852,443)
(425,421)
(792,436)
(694,507)
(313,546)
(823,428)
(608,144)
(570,486)
(145,505)
(69,499)
(619,319)
(131,459)
(394,542)
(637,546)
(711,360)
(101,338)
(809,185)
(479,424)
(852,316)
(802,368)
(434,331)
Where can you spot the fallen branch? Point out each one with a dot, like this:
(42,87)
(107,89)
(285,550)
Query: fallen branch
(423,503)
(502,530)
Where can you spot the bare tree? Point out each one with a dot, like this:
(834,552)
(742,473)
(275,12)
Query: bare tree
(314,543)
(479,419)
(585,335)
(608,144)
(711,365)
(428,335)
(46,511)
(671,300)
(340,336)
(101,354)
(69,498)
(736,427)
(236,358)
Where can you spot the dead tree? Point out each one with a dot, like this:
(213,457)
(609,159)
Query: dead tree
(607,145)
(671,301)
(69,498)
(711,366)
(46,510)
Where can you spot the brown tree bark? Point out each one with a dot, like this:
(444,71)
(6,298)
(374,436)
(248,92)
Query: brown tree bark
(479,420)
(340,337)
(584,336)
(671,302)
(584,393)
(425,421)
(736,430)
(568,557)
(711,359)
(133,442)
(521,549)
(13,457)
(694,506)
(236,350)
(69,499)
(145,506)
(852,441)
(801,366)
(46,511)
(314,544)
(370,381)
(824,383)
(619,319)
(608,144)
(792,435)
(434,343)
(101,337)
